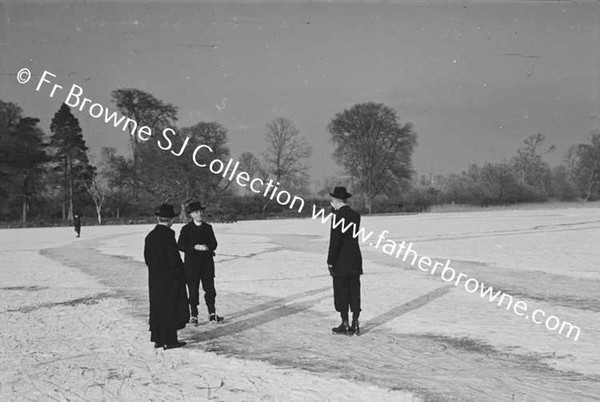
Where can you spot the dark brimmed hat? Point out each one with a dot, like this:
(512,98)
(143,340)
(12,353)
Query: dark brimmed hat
(195,206)
(340,193)
(165,211)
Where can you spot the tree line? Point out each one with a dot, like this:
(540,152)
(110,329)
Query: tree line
(50,177)
(47,178)
(525,177)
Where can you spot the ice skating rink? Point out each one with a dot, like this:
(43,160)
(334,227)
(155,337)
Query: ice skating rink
(73,314)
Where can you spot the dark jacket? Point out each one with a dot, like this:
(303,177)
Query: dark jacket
(344,251)
(198,264)
(166,281)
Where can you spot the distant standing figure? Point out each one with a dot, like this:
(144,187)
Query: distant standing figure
(77,225)
(197,240)
(344,262)
(166,282)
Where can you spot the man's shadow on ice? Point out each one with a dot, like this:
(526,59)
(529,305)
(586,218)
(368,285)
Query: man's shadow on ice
(277,308)
(271,310)
(405,308)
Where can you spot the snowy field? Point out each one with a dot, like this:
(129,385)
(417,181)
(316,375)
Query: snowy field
(73,315)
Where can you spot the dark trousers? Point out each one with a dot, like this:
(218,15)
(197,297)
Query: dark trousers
(163,335)
(210,294)
(346,294)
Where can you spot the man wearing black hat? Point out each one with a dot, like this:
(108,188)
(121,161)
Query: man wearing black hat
(344,262)
(197,240)
(166,282)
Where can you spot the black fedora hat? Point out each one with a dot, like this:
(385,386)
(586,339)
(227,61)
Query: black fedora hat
(165,211)
(340,193)
(195,206)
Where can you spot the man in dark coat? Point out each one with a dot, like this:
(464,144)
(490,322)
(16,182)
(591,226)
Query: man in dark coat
(197,240)
(166,282)
(77,224)
(344,262)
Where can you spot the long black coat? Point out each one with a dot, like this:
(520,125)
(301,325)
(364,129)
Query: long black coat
(198,264)
(166,280)
(344,251)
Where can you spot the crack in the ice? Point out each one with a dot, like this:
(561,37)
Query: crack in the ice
(503,233)
(88,300)
(533,361)
(26,288)
(248,256)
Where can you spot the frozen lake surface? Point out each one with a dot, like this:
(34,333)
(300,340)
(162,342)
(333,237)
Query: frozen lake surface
(74,314)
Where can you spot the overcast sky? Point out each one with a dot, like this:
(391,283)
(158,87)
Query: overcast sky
(475,78)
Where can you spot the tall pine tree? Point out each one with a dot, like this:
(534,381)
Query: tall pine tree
(22,156)
(70,156)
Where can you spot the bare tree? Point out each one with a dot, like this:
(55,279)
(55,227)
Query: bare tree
(373,147)
(529,166)
(286,153)
(97,188)
(584,166)
(250,164)
(116,170)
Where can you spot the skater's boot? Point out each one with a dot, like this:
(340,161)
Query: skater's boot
(215,319)
(174,345)
(342,329)
(355,327)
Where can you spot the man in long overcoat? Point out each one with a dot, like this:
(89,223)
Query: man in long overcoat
(77,224)
(344,261)
(197,240)
(166,282)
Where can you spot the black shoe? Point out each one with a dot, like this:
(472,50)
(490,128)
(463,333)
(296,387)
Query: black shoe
(174,345)
(215,319)
(157,345)
(342,329)
(355,328)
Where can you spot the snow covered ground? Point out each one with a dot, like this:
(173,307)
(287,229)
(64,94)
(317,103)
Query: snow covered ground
(73,314)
